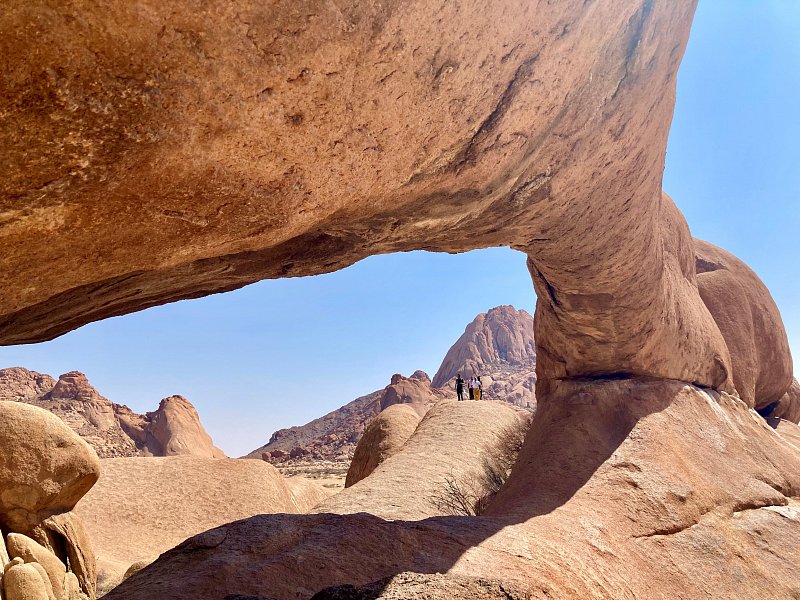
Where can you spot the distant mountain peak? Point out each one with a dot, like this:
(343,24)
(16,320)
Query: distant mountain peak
(495,340)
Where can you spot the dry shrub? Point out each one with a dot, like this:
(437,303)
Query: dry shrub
(470,494)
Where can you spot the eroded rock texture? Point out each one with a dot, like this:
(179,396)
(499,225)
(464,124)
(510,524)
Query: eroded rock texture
(143,506)
(185,151)
(384,436)
(451,442)
(111,429)
(749,321)
(625,489)
(45,467)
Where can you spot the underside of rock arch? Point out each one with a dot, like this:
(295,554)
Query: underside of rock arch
(156,151)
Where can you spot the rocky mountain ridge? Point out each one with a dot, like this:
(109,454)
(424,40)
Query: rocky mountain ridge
(112,429)
(497,345)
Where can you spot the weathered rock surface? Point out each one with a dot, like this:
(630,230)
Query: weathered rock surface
(500,347)
(451,441)
(640,489)
(20,546)
(542,127)
(25,582)
(111,429)
(415,586)
(306,494)
(502,335)
(384,436)
(750,323)
(788,430)
(144,506)
(172,430)
(75,542)
(500,343)
(45,467)
(414,391)
(788,406)
(21,384)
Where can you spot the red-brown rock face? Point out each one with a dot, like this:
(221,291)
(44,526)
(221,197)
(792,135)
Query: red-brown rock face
(749,321)
(186,151)
(788,407)
(20,384)
(500,347)
(112,429)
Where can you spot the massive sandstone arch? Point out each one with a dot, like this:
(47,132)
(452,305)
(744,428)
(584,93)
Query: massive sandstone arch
(156,153)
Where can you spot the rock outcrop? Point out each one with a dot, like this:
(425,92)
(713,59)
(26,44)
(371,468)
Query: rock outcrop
(173,429)
(143,506)
(450,445)
(749,321)
(111,429)
(306,494)
(625,489)
(788,407)
(499,346)
(185,152)
(23,581)
(45,469)
(20,546)
(384,436)
(20,384)
(125,151)
(334,436)
(504,335)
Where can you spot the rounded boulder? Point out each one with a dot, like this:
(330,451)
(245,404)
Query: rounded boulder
(750,322)
(384,436)
(45,467)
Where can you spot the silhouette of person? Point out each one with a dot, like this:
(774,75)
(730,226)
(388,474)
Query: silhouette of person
(459,387)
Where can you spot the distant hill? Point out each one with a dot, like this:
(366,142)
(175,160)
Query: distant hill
(114,430)
(334,436)
(497,345)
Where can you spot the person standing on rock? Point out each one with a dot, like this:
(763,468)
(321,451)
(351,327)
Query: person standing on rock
(459,387)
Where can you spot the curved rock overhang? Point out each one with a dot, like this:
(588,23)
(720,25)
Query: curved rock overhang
(156,152)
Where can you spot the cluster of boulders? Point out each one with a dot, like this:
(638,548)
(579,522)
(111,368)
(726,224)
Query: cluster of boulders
(112,429)
(45,468)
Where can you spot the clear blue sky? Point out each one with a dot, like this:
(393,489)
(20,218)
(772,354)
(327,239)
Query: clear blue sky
(283,352)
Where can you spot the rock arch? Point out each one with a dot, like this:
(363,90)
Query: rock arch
(155,154)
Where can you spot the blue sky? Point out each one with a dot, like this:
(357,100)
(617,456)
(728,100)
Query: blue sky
(283,352)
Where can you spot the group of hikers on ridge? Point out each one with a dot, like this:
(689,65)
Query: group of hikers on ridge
(474,386)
